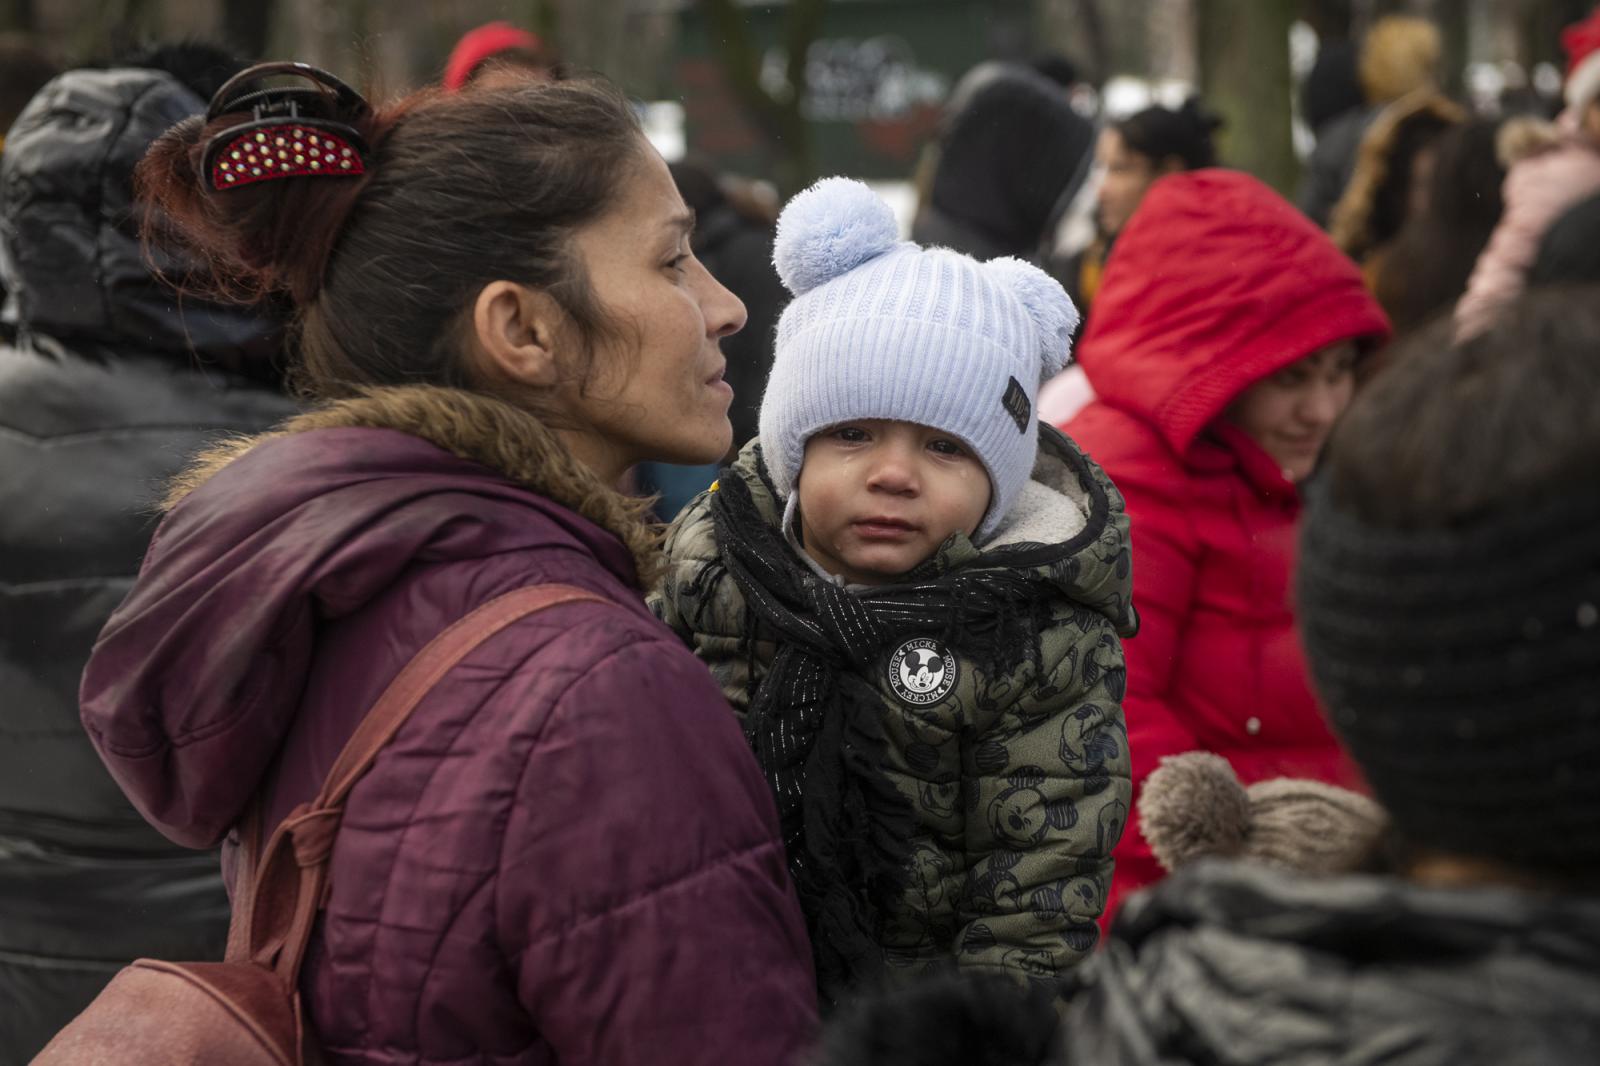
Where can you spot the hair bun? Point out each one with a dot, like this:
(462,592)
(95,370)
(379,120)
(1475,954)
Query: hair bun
(830,229)
(1203,116)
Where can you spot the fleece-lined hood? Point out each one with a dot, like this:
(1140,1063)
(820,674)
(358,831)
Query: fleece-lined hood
(197,677)
(1216,283)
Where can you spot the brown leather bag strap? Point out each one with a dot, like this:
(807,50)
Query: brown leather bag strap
(425,671)
(291,877)
(246,864)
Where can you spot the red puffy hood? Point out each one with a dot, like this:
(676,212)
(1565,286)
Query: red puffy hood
(1216,283)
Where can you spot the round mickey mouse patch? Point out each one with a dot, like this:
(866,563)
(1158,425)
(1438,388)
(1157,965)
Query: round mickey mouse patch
(922,671)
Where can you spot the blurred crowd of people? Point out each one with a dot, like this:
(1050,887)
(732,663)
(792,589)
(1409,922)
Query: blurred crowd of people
(1317,646)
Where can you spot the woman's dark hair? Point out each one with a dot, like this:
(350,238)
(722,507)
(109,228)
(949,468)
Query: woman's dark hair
(1160,133)
(462,189)
(1425,269)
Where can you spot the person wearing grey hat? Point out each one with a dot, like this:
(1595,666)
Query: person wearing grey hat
(1449,591)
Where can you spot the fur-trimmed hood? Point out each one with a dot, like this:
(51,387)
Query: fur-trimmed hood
(472,426)
(1355,221)
(269,540)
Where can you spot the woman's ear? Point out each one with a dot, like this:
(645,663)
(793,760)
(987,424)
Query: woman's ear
(515,330)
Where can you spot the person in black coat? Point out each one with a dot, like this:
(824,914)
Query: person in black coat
(24,68)
(112,382)
(1449,593)
(1011,155)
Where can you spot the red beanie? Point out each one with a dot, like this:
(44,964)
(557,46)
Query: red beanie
(1581,40)
(484,43)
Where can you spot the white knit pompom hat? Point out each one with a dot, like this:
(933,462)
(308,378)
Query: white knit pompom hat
(882,328)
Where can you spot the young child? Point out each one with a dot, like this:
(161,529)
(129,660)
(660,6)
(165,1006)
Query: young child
(912,593)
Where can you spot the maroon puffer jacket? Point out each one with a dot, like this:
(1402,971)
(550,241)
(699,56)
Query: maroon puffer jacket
(566,855)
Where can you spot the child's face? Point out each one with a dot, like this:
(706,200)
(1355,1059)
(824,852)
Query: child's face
(878,497)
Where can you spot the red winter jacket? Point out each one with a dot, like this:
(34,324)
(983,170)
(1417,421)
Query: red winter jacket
(566,854)
(1215,284)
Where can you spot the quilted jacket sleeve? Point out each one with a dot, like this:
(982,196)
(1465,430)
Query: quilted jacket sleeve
(690,546)
(701,604)
(1050,781)
(643,885)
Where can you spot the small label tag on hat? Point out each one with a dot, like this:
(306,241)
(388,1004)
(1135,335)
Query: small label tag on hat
(1015,401)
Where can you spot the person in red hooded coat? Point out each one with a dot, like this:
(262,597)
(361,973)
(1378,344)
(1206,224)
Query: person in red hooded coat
(1221,350)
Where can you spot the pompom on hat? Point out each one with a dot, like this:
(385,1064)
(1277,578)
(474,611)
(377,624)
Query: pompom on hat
(880,328)
(1193,806)
(1581,42)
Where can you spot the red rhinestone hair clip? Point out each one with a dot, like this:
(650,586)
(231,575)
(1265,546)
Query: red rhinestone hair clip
(286,150)
(292,132)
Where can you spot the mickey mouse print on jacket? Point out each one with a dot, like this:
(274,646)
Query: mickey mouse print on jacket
(986,742)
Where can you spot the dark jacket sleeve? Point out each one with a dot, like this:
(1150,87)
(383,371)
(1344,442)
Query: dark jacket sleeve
(643,894)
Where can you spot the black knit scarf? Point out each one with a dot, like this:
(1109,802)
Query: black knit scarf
(815,720)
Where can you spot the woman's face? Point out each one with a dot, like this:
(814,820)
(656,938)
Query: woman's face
(657,391)
(1291,413)
(1127,174)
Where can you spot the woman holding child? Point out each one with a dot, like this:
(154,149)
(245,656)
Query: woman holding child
(498,310)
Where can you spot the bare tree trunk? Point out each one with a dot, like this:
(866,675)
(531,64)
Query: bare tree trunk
(1094,28)
(18,16)
(590,31)
(1330,18)
(1452,17)
(1171,43)
(1077,29)
(779,118)
(1244,74)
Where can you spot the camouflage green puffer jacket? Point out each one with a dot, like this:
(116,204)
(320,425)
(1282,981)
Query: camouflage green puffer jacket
(1019,783)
